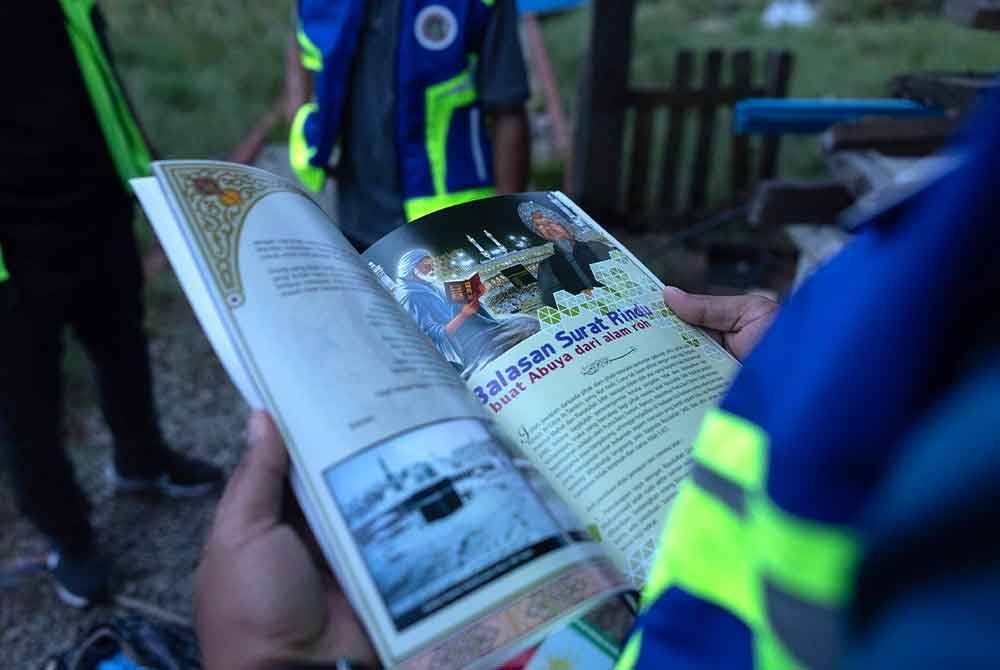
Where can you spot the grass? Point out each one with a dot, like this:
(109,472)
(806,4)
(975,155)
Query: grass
(848,58)
(201,73)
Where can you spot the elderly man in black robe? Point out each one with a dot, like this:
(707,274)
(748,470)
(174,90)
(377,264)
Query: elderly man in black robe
(464,334)
(568,269)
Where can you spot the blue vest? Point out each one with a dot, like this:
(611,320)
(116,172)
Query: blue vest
(444,152)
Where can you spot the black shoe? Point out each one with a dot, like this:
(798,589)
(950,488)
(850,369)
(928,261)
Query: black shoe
(80,579)
(181,477)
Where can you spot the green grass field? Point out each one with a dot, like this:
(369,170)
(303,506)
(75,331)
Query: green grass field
(202,73)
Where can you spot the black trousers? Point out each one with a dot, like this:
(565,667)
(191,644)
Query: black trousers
(78,269)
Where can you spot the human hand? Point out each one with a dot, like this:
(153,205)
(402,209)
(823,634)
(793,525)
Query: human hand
(737,322)
(260,599)
(471,308)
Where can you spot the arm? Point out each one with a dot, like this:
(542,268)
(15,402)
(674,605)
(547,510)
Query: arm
(468,310)
(512,153)
(502,84)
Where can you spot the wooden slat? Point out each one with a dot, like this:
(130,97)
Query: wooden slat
(778,73)
(706,133)
(683,66)
(639,171)
(740,160)
(601,125)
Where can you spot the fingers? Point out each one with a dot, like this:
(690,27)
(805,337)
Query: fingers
(717,312)
(253,496)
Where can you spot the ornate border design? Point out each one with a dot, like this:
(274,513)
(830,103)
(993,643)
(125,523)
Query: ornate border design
(215,201)
(532,612)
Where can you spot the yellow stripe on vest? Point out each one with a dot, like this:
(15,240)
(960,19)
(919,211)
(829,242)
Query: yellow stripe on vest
(733,447)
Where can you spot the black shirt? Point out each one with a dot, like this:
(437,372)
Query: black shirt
(52,150)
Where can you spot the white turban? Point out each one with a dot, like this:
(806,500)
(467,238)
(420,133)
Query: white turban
(409,261)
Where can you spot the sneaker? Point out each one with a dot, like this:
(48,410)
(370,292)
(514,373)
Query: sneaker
(181,477)
(79,579)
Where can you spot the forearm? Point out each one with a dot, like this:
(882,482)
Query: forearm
(456,323)
(512,150)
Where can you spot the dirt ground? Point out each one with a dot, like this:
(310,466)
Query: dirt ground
(154,543)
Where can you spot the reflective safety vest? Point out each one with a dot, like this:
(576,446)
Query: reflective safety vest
(758,555)
(444,152)
(766,585)
(126,144)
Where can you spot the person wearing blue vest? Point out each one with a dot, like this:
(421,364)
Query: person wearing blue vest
(68,257)
(842,507)
(405,89)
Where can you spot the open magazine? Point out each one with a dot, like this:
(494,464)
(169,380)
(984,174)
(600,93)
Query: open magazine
(487,413)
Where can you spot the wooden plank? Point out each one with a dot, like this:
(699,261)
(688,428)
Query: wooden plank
(683,67)
(891,136)
(706,132)
(778,203)
(739,176)
(601,125)
(638,175)
(778,74)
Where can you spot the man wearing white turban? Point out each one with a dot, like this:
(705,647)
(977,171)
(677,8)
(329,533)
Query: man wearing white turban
(465,335)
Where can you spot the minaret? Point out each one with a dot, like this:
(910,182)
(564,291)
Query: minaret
(492,239)
(485,253)
(383,277)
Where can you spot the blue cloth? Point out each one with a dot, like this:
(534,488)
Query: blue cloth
(780,116)
(437,41)
(480,338)
(859,357)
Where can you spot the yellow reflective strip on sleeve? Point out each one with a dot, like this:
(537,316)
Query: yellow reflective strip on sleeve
(309,54)
(811,560)
(733,447)
(630,656)
(705,549)
(418,207)
(299,151)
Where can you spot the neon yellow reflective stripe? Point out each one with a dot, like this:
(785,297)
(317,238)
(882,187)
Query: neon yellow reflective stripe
(418,207)
(734,448)
(312,58)
(441,101)
(810,560)
(4,275)
(125,141)
(630,656)
(299,151)
(705,550)
(770,654)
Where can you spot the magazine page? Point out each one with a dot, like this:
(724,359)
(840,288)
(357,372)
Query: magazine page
(437,530)
(563,338)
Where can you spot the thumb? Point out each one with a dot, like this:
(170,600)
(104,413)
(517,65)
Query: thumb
(255,492)
(715,312)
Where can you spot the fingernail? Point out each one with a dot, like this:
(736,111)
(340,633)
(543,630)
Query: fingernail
(676,290)
(256,426)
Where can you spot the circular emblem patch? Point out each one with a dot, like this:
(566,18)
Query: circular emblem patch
(436,27)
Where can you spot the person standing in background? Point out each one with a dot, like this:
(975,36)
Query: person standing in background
(69,143)
(404,87)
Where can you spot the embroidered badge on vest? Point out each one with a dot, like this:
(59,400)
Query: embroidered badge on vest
(436,27)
